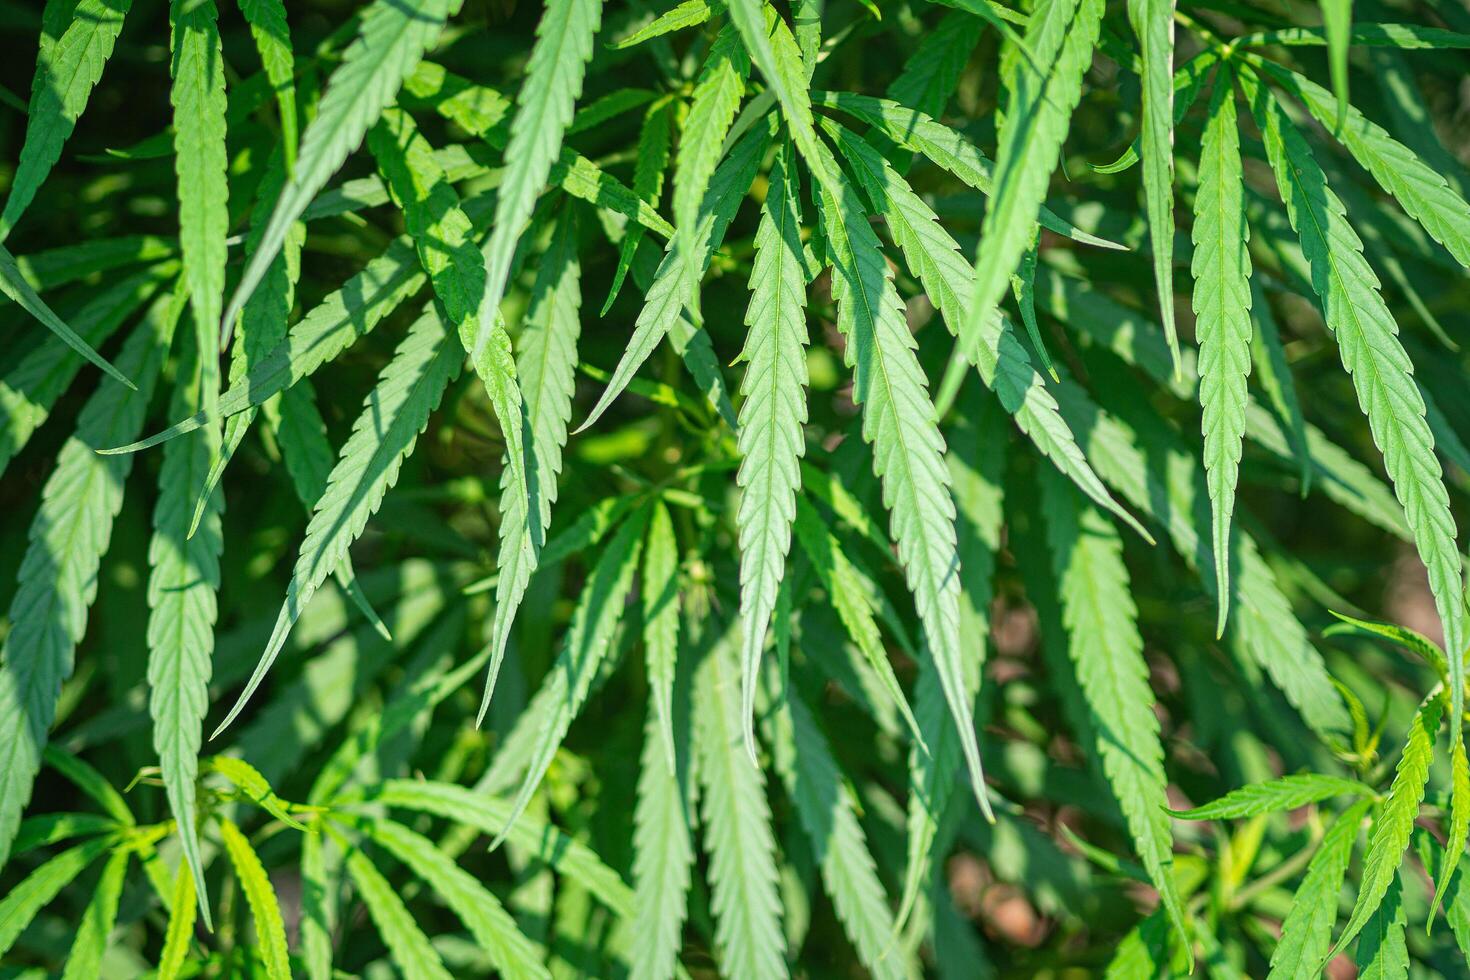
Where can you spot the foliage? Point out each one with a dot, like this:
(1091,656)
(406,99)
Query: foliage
(955,488)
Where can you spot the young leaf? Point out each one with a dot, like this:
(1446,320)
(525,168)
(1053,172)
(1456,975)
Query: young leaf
(58,575)
(1061,35)
(544,108)
(1395,821)
(690,13)
(272,35)
(67,69)
(391,40)
(409,389)
(1285,793)
(771,440)
(180,926)
(1459,829)
(1222,304)
(737,822)
(95,929)
(265,910)
(38,888)
(1307,929)
(1153,24)
(1367,339)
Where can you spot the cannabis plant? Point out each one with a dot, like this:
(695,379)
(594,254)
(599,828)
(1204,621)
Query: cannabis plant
(833,489)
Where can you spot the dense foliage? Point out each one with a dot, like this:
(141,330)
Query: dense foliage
(954,488)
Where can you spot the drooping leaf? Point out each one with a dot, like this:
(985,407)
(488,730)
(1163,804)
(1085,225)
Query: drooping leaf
(1153,24)
(1367,340)
(272,36)
(544,108)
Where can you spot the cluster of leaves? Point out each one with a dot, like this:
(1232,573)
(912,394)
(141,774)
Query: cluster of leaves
(875,436)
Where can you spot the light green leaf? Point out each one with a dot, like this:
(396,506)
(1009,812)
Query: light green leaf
(1285,793)
(1273,374)
(58,575)
(1153,24)
(272,35)
(38,888)
(15,286)
(1395,822)
(511,952)
(590,638)
(1406,36)
(908,451)
(1222,304)
(1337,25)
(771,439)
(737,827)
(1043,92)
(1459,828)
(655,139)
(1382,953)
(408,390)
(410,949)
(200,161)
(67,70)
(1307,929)
(545,369)
(183,581)
(180,926)
(661,619)
(265,910)
(690,13)
(392,38)
(543,110)
(95,929)
(1367,339)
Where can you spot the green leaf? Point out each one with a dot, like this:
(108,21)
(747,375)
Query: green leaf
(1153,23)
(661,619)
(1411,640)
(14,285)
(1222,303)
(1421,190)
(253,785)
(737,827)
(590,638)
(544,108)
(1101,620)
(771,439)
(1004,366)
(946,148)
(663,827)
(200,161)
(510,951)
(318,908)
(1382,953)
(1395,822)
(265,910)
(1284,793)
(1459,829)
(410,949)
(38,888)
(272,36)
(655,140)
(717,95)
(690,13)
(828,813)
(489,815)
(676,283)
(1307,929)
(908,451)
(1337,25)
(180,926)
(1367,339)
(545,368)
(52,828)
(91,782)
(408,390)
(933,71)
(1406,36)
(183,579)
(391,40)
(1061,34)
(67,69)
(1273,374)
(95,929)
(58,575)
